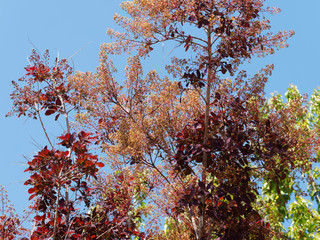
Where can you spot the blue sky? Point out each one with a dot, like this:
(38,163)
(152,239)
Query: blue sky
(67,26)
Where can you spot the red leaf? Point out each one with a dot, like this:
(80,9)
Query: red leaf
(34,238)
(83,134)
(30,70)
(101,121)
(268,225)
(38,218)
(100,164)
(32,196)
(189,39)
(49,112)
(31,190)
(27,182)
(58,102)
(187,46)
(67,137)
(179,135)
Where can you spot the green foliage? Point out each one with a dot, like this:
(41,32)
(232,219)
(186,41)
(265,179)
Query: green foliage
(304,220)
(288,202)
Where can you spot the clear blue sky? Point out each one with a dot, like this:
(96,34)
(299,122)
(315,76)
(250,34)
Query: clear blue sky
(67,26)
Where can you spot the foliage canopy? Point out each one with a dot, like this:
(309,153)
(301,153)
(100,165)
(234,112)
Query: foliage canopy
(201,148)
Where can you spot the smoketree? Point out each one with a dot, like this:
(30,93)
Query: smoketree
(199,148)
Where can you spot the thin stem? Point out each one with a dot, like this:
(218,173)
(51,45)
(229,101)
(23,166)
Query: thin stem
(65,113)
(66,116)
(206,129)
(314,187)
(43,127)
(192,216)
(56,215)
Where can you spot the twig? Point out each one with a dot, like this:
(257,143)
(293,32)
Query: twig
(43,127)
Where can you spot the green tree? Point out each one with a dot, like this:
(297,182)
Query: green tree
(298,188)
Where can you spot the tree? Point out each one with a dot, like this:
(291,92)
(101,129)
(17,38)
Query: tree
(298,188)
(56,174)
(10,223)
(192,148)
(213,152)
